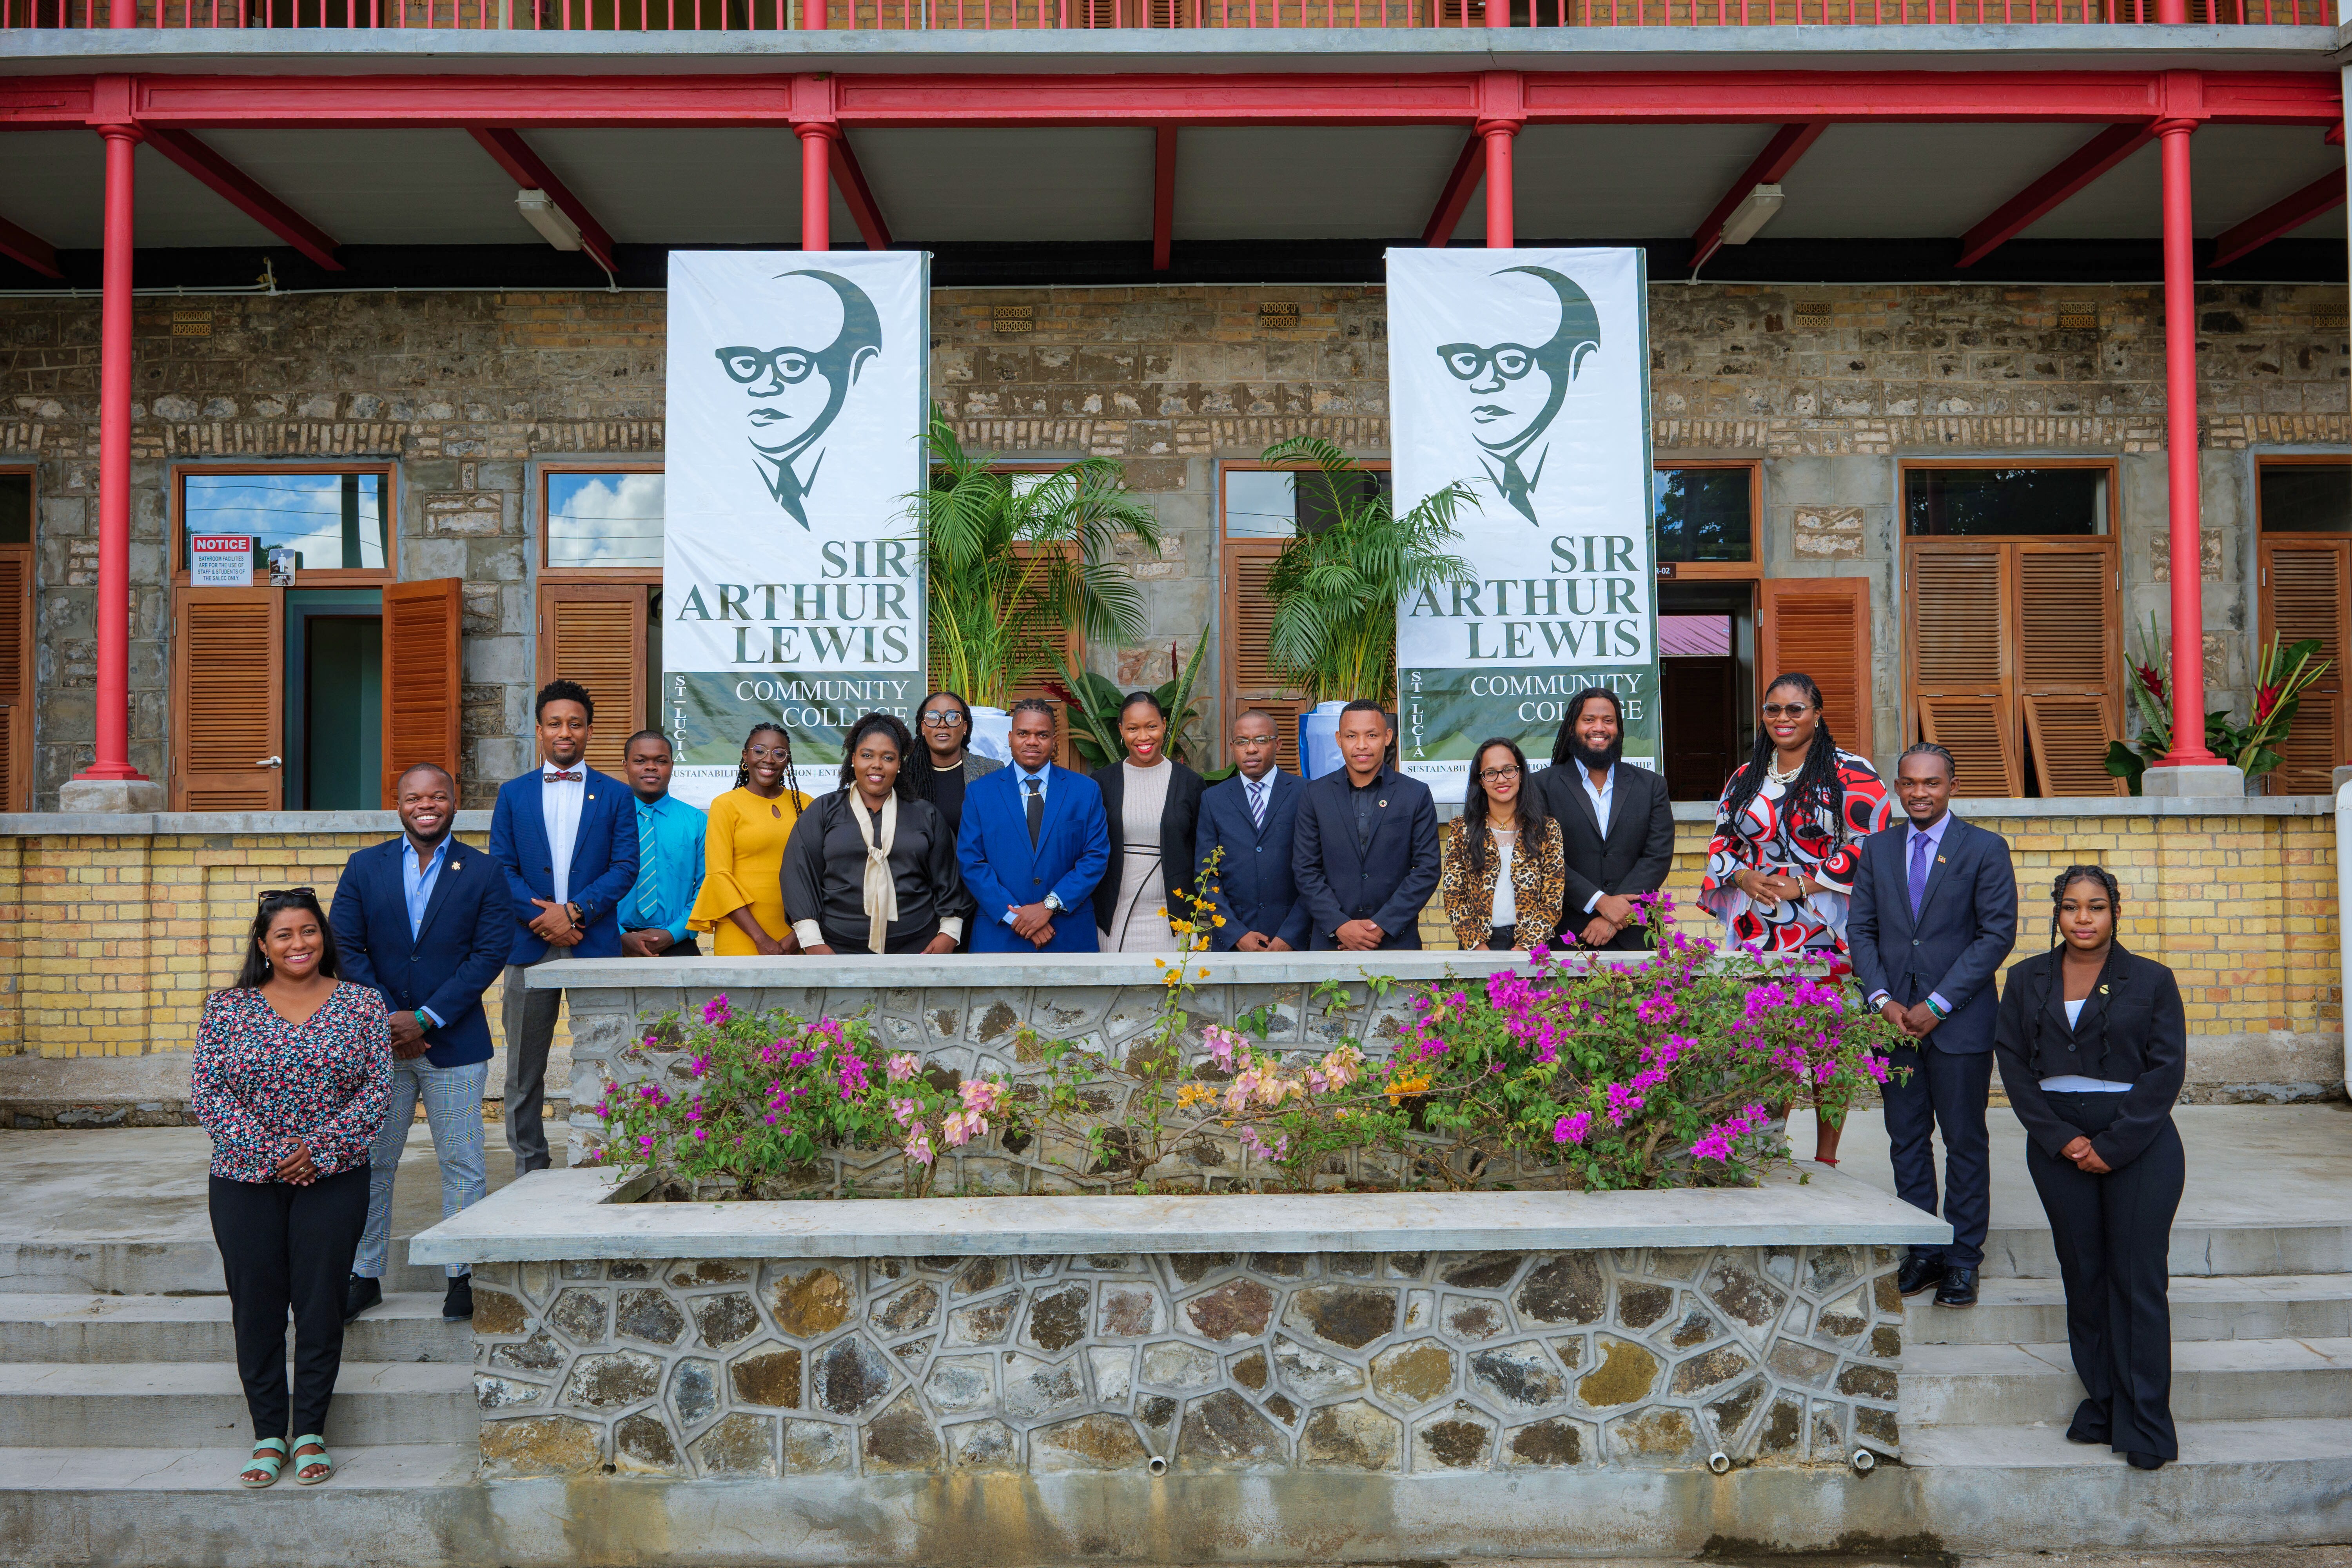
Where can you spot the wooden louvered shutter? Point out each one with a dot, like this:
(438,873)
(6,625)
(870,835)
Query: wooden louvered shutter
(1959,644)
(2069,663)
(1250,680)
(229,699)
(423,677)
(594,633)
(16,677)
(1820,627)
(2305,595)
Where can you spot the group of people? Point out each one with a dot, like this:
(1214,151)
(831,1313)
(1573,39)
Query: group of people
(309,1068)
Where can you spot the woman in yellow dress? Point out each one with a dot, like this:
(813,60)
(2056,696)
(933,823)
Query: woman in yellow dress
(742,899)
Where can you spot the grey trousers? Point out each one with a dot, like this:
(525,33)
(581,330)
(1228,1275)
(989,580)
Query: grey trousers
(528,1019)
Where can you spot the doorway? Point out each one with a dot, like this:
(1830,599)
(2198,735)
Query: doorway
(334,699)
(1707,667)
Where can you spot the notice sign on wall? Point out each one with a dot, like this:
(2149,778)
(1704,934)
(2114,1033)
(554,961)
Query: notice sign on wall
(792,588)
(1524,374)
(220,561)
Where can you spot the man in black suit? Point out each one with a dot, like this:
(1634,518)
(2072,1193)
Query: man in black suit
(1616,824)
(1365,856)
(1934,914)
(1253,818)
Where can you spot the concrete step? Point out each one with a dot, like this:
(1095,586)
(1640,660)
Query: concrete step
(190,1266)
(2221,1307)
(201,1404)
(94,1329)
(2025,1253)
(2213,1380)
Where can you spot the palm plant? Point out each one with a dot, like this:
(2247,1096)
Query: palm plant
(1009,554)
(1336,589)
(1094,704)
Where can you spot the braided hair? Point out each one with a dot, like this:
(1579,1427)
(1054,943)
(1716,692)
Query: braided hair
(743,769)
(916,765)
(892,729)
(2073,874)
(1818,790)
(1528,818)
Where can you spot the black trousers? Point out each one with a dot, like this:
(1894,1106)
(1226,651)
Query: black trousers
(1502,938)
(847,946)
(1945,1093)
(283,1246)
(2113,1234)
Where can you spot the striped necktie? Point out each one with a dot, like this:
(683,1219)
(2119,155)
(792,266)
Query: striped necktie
(642,895)
(1257,788)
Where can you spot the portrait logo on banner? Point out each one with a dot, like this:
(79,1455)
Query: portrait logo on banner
(792,586)
(1525,375)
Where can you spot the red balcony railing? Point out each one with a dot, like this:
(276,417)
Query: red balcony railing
(768,15)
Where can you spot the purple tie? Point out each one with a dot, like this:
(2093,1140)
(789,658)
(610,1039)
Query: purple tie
(1919,844)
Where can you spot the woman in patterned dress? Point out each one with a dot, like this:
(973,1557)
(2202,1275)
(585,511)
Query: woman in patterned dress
(291,1077)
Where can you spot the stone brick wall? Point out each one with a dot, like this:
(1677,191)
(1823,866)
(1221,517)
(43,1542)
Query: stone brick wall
(1427,1364)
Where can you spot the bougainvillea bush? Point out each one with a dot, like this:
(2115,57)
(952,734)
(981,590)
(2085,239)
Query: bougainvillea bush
(1675,1072)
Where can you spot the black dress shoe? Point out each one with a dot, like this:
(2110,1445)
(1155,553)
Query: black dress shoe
(457,1306)
(1920,1271)
(1958,1289)
(2089,1426)
(2145,1461)
(362,1294)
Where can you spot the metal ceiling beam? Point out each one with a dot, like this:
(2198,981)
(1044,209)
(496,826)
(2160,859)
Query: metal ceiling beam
(2046,194)
(858,197)
(29,250)
(1788,144)
(248,194)
(2280,218)
(530,173)
(1163,195)
(1453,197)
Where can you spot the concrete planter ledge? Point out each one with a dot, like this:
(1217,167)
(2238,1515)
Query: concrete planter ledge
(552,1215)
(1000,971)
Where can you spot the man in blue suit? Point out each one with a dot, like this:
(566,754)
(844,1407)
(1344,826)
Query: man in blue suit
(1252,816)
(1935,913)
(425,920)
(566,837)
(1365,856)
(1033,845)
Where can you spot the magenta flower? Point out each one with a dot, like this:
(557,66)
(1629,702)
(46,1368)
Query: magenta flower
(1571,1129)
(716,1012)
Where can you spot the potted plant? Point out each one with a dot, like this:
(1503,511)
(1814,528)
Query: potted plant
(2283,673)
(1002,552)
(1093,703)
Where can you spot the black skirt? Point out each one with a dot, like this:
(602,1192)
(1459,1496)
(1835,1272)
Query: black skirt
(855,946)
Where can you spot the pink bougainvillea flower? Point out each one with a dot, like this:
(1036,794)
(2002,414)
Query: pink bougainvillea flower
(904,1065)
(716,1012)
(1571,1129)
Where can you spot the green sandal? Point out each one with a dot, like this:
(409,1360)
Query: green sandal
(272,1463)
(304,1461)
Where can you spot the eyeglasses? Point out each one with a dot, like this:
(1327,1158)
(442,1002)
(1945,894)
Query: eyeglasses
(1468,361)
(1496,775)
(1785,709)
(942,721)
(748,365)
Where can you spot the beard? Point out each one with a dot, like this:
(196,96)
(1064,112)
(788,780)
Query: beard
(1597,756)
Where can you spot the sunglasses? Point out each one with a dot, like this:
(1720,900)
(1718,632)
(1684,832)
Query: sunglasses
(748,365)
(942,721)
(269,893)
(1785,709)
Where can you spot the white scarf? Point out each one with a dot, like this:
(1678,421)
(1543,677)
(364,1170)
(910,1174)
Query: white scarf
(881,887)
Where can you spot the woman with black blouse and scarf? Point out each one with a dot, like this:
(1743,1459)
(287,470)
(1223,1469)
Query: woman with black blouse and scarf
(872,867)
(2092,1044)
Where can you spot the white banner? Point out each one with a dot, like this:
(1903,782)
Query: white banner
(792,587)
(1525,375)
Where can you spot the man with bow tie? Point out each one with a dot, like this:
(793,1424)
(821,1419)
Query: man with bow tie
(565,835)
(425,920)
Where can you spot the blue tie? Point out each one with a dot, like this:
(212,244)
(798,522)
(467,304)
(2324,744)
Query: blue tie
(641,896)
(1919,846)
(1257,803)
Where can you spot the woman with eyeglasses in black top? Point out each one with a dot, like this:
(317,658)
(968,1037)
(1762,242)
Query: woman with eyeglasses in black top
(943,764)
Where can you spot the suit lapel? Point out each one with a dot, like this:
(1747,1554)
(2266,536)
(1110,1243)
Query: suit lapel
(445,886)
(1057,804)
(593,788)
(1947,851)
(1584,801)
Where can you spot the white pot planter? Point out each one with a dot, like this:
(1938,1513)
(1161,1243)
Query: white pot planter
(1319,740)
(992,730)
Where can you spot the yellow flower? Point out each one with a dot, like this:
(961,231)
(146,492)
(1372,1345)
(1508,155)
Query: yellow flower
(1204,974)
(1399,1088)
(1216,919)
(1191,1094)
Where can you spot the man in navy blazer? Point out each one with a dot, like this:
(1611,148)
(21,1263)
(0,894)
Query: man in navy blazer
(566,837)
(1365,855)
(1033,845)
(425,920)
(1253,817)
(1934,915)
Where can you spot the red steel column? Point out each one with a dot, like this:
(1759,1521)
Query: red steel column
(1497,135)
(816,181)
(112,615)
(2180,450)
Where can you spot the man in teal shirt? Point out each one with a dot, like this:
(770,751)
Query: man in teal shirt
(669,855)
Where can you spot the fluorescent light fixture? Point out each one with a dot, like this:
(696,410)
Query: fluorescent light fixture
(1754,211)
(540,211)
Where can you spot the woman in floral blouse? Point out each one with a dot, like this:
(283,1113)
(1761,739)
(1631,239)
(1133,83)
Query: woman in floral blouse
(292,1073)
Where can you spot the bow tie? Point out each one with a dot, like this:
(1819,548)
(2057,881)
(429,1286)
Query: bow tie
(572,777)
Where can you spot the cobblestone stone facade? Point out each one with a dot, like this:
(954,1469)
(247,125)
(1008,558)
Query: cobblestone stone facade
(1403,1362)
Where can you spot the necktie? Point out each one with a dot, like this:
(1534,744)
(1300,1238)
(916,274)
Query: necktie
(1257,803)
(1036,809)
(641,896)
(572,777)
(1918,871)
(1516,486)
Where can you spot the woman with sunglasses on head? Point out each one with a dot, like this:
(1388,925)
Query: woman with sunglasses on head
(1504,874)
(291,1077)
(742,897)
(943,764)
(2092,1043)
(1789,826)
(872,867)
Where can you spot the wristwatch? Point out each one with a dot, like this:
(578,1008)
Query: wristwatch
(1054,903)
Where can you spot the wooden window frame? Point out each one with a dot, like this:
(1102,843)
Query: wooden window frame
(548,574)
(1905,466)
(17,787)
(2296,460)
(311,576)
(2334,686)
(1751,570)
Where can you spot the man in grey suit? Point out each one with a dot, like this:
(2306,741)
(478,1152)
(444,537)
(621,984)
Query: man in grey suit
(1934,914)
(1616,824)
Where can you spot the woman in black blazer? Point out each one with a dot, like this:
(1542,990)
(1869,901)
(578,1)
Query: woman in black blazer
(1152,803)
(2092,1044)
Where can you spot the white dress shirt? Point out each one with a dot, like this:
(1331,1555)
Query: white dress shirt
(559,804)
(1602,799)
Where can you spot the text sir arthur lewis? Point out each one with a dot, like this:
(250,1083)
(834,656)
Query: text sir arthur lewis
(1590,611)
(862,613)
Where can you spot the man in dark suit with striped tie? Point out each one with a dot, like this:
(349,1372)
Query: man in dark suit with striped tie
(1252,817)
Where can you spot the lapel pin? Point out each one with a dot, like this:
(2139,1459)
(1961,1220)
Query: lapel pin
(1383,805)
(2103,990)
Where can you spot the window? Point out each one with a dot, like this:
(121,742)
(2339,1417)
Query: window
(2305,495)
(603,521)
(2306,592)
(1705,513)
(336,521)
(15,639)
(1978,502)
(599,599)
(1705,517)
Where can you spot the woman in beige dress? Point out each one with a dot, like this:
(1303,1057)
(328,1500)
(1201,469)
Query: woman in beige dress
(1153,805)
